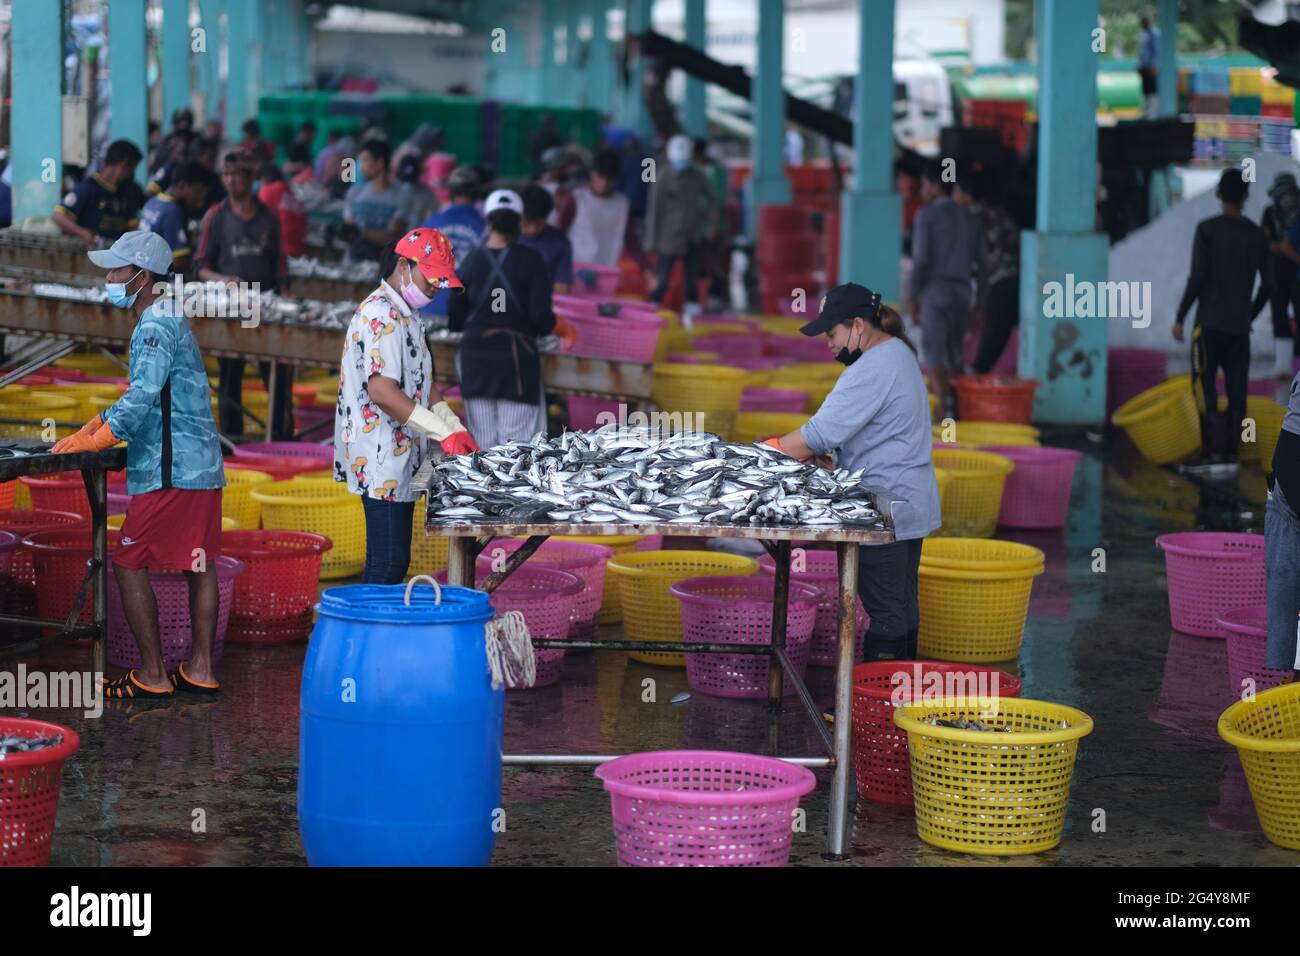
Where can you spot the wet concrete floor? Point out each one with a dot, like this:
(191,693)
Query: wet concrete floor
(1154,769)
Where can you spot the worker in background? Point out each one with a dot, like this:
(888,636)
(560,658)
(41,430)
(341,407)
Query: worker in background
(554,176)
(877,418)
(170,153)
(306,135)
(947,253)
(297,166)
(546,137)
(537,233)
(631,180)
(253,143)
(1149,68)
(167,214)
(1228,251)
(999,312)
(173,471)
(388,405)
(598,219)
(715,258)
(240,243)
(421,203)
(278,196)
(326,165)
(680,213)
(1282,541)
(376,207)
(506,308)
(1279,216)
(460,221)
(106,203)
(419,145)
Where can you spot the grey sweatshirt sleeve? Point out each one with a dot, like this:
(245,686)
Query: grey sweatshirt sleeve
(921,243)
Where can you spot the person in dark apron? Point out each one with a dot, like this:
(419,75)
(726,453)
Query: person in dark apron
(1282,541)
(506,308)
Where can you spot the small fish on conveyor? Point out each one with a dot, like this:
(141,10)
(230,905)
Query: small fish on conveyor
(13,744)
(961,723)
(635,475)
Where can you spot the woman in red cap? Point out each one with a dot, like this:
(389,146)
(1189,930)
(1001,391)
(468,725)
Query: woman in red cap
(388,405)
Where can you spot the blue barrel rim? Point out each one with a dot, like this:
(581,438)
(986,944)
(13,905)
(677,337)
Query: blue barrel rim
(383,603)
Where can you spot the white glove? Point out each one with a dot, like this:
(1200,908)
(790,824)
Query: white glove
(437,422)
(444,413)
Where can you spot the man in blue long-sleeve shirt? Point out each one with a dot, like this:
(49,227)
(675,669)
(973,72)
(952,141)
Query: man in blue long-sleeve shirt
(1149,67)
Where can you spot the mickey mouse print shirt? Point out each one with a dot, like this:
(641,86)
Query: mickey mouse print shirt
(375,454)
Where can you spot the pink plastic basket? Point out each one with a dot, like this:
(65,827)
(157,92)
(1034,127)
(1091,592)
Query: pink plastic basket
(544,596)
(730,344)
(796,348)
(583,411)
(287,449)
(8,545)
(172,594)
(1130,372)
(703,807)
(583,559)
(822,571)
(1210,572)
(1247,629)
(738,610)
(789,400)
(592,279)
(1194,689)
(631,337)
(1037,493)
(757,363)
(568,305)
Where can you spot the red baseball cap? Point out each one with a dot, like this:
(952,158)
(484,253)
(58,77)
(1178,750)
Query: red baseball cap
(431,251)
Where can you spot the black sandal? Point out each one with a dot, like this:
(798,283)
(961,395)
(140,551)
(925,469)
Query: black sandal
(183,682)
(128,687)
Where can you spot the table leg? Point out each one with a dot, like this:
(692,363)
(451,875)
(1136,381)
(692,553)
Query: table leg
(97,491)
(272,408)
(460,561)
(837,829)
(780,604)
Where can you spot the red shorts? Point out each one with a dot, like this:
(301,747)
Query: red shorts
(163,528)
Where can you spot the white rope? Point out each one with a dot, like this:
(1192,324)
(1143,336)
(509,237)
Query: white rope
(510,651)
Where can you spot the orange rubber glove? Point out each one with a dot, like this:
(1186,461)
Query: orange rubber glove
(776,443)
(567,333)
(459,443)
(90,427)
(97,441)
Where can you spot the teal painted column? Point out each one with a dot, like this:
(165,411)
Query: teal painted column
(207,59)
(1062,343)
(552,68)
(694,112)
(768,186)
(635,115)
(1167,80)
(273,36)
(871,212)
(600,59)
(576,93)
(129,116)
(243,59)
(175,57)
(36,144)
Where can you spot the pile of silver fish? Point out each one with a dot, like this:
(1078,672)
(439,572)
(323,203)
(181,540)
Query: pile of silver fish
(961,723)
(308,267)
(13,744)
(614,475)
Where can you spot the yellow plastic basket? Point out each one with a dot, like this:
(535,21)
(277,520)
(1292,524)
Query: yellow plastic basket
(989,792)
(979,554)
(36,407)
(1266,733)
(972,614)
(709,392)
(321,506)
(943,479)
(91,397)
(237,497)
(1268,416)
(611,602)
(756,426)
(429,552)
(1162,422)
(95,363)
(985,433)
(759,377)
(650,612)
(974,495)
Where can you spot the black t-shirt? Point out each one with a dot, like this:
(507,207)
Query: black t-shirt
(1227,252)
(104,209)
(247,249)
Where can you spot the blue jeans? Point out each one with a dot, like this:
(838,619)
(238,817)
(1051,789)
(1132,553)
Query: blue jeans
(1282,562)
(388,540)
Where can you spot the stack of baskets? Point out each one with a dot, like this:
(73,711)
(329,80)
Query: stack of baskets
(273,599)
(973,499)
(322,506)
(586,561)
(710,394)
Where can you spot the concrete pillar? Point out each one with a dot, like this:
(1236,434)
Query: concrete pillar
(694,114)
(1167,80)
(208,60)
(36,143)
(553,73)
(768,185)
(175,58)
(1064,351)
(600,59)
(871,212)
(635,114)
(243,80)
(128,54)
(575,86)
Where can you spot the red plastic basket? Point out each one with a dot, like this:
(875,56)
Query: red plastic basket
(738,610)
(703,807)
(60,557)
(274,597)
(281,468)
(995,398)
(1247,642)
(585,560)
(880,762)
(172,594)
(65,491)
(631,337)
(8,545)
(7,491)
(821,570)
(18,588)
(1037,493)
(1211,572)
(788,400)
(29,792)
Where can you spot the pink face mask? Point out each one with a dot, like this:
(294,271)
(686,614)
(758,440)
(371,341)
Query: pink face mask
(411,292)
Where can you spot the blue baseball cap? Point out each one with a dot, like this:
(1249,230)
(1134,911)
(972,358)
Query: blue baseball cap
(141,248)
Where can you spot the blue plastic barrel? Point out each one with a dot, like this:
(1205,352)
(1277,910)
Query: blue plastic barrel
(400,743)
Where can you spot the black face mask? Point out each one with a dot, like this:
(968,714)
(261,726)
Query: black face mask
(845,357)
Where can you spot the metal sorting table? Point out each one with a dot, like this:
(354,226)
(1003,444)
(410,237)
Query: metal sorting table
(94,468)
(467,541)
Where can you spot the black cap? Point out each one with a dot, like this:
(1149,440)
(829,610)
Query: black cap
(841,304)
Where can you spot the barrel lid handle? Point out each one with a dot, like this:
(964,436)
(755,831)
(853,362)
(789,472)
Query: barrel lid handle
(437,588)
